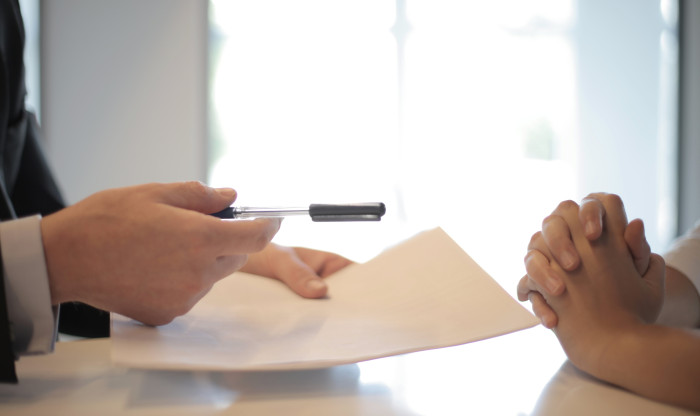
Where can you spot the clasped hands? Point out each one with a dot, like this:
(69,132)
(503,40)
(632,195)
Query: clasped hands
(591,276)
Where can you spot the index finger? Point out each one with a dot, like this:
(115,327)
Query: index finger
(591,214)
(243,236)
(615,216)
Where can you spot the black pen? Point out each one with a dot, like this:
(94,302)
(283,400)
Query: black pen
(369,211)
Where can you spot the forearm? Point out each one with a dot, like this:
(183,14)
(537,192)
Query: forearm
(681,306)
(661,363)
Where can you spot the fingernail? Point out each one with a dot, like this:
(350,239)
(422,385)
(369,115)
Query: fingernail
(589,229)
(546,322)
(553,284)
(568,260)
(227,193)
(315,285)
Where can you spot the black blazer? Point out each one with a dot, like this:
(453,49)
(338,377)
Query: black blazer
(27,186)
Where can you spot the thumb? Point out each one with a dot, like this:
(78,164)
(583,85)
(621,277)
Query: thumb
(656,273)
(196,196)
(638,245)
(299,276)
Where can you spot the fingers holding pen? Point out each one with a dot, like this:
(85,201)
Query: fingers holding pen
(243,236)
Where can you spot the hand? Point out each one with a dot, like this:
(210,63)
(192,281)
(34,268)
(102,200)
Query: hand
(147,252)
(606,296)
(556,237)
(301,269)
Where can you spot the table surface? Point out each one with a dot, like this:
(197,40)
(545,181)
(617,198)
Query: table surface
(524,373)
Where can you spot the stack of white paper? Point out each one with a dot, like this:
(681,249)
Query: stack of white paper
(424,293)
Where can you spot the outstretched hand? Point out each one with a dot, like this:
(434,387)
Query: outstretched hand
(302,269)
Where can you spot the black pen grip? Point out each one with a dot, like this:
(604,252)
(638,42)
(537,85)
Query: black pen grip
(371,211)
(226,213)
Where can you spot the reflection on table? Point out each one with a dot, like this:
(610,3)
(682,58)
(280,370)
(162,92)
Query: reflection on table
(517,374)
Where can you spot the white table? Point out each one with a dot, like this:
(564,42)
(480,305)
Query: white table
(524,373)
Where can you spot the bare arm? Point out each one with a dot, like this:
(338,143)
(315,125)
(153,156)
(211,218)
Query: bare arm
(606,315)
(681,301)
(655,361)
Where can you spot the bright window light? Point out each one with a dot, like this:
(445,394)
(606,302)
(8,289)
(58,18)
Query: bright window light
(478,117)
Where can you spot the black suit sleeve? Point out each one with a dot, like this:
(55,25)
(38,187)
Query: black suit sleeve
(7,356)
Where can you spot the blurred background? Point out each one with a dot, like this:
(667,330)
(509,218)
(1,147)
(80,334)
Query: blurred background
(478,117)
(474,116)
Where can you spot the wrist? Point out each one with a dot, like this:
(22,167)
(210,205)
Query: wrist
(597,347)
(58,286)
(614,356)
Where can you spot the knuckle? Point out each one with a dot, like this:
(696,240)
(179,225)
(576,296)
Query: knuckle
(155,188)
(567,205)
(595,196)
(196,187)
(550,221)
(615,200)
(530,260)
(534,240)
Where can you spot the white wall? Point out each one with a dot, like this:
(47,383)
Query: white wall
(626,110)
(689,120)
(124,92)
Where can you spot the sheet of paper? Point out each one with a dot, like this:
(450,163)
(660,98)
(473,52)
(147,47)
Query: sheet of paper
(422,294)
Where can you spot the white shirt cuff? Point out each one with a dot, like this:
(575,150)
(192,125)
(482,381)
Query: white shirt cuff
(33,321)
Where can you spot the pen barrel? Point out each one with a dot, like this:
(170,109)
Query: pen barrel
(260,212)
(255,212)
(370,211)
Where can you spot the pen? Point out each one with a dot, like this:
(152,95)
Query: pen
(369,211)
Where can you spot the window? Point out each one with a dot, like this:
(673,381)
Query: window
(30,17)
(475,116)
